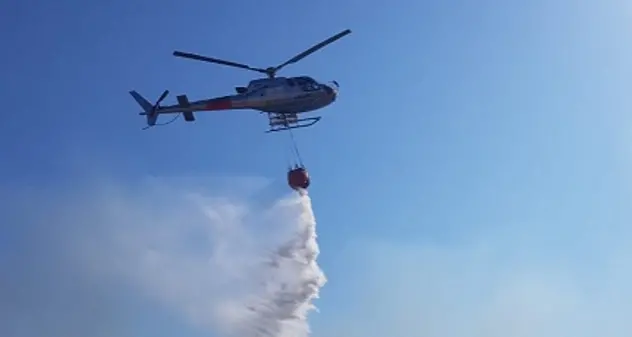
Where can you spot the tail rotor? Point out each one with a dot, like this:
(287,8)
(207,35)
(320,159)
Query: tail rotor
(149,110)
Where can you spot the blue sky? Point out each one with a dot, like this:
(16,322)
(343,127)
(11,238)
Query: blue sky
(494,128)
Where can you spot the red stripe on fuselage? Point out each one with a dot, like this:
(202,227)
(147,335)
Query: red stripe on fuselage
(219,104)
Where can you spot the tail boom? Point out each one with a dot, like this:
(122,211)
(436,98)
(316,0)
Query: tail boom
(213,104)
(152,111)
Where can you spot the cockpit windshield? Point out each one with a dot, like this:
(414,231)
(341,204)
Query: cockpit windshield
(307,83)
(305,80)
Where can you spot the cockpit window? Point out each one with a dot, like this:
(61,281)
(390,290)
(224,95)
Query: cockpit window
(305,79)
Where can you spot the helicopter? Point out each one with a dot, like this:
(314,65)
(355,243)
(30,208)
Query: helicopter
(283,99)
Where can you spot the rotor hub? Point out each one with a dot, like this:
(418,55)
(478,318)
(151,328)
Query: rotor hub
(271,71)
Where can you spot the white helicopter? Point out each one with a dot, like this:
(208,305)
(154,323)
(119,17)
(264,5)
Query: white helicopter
(282,98)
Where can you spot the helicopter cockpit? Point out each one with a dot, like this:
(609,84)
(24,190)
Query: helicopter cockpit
(304,83)
(307,83)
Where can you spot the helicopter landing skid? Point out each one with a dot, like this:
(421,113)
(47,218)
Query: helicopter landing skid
(283,124)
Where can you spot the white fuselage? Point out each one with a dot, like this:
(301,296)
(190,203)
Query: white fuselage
(286,95)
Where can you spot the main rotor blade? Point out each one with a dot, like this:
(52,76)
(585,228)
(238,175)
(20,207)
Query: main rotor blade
(314,48)
(217,61)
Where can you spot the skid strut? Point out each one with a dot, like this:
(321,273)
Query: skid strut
(281,122)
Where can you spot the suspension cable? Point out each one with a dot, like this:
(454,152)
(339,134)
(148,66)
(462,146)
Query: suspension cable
(163,124)
(298,154)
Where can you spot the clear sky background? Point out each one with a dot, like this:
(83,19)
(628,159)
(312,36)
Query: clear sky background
(472,179)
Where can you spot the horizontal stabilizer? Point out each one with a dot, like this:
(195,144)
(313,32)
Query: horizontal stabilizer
(183,102)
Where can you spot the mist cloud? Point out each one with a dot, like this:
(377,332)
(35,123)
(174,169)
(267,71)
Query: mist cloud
(73,260)
(74,256)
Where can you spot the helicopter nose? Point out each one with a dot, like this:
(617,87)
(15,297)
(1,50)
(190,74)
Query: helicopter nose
(332,88)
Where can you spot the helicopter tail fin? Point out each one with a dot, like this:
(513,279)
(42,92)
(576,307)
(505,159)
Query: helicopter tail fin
(149,110)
